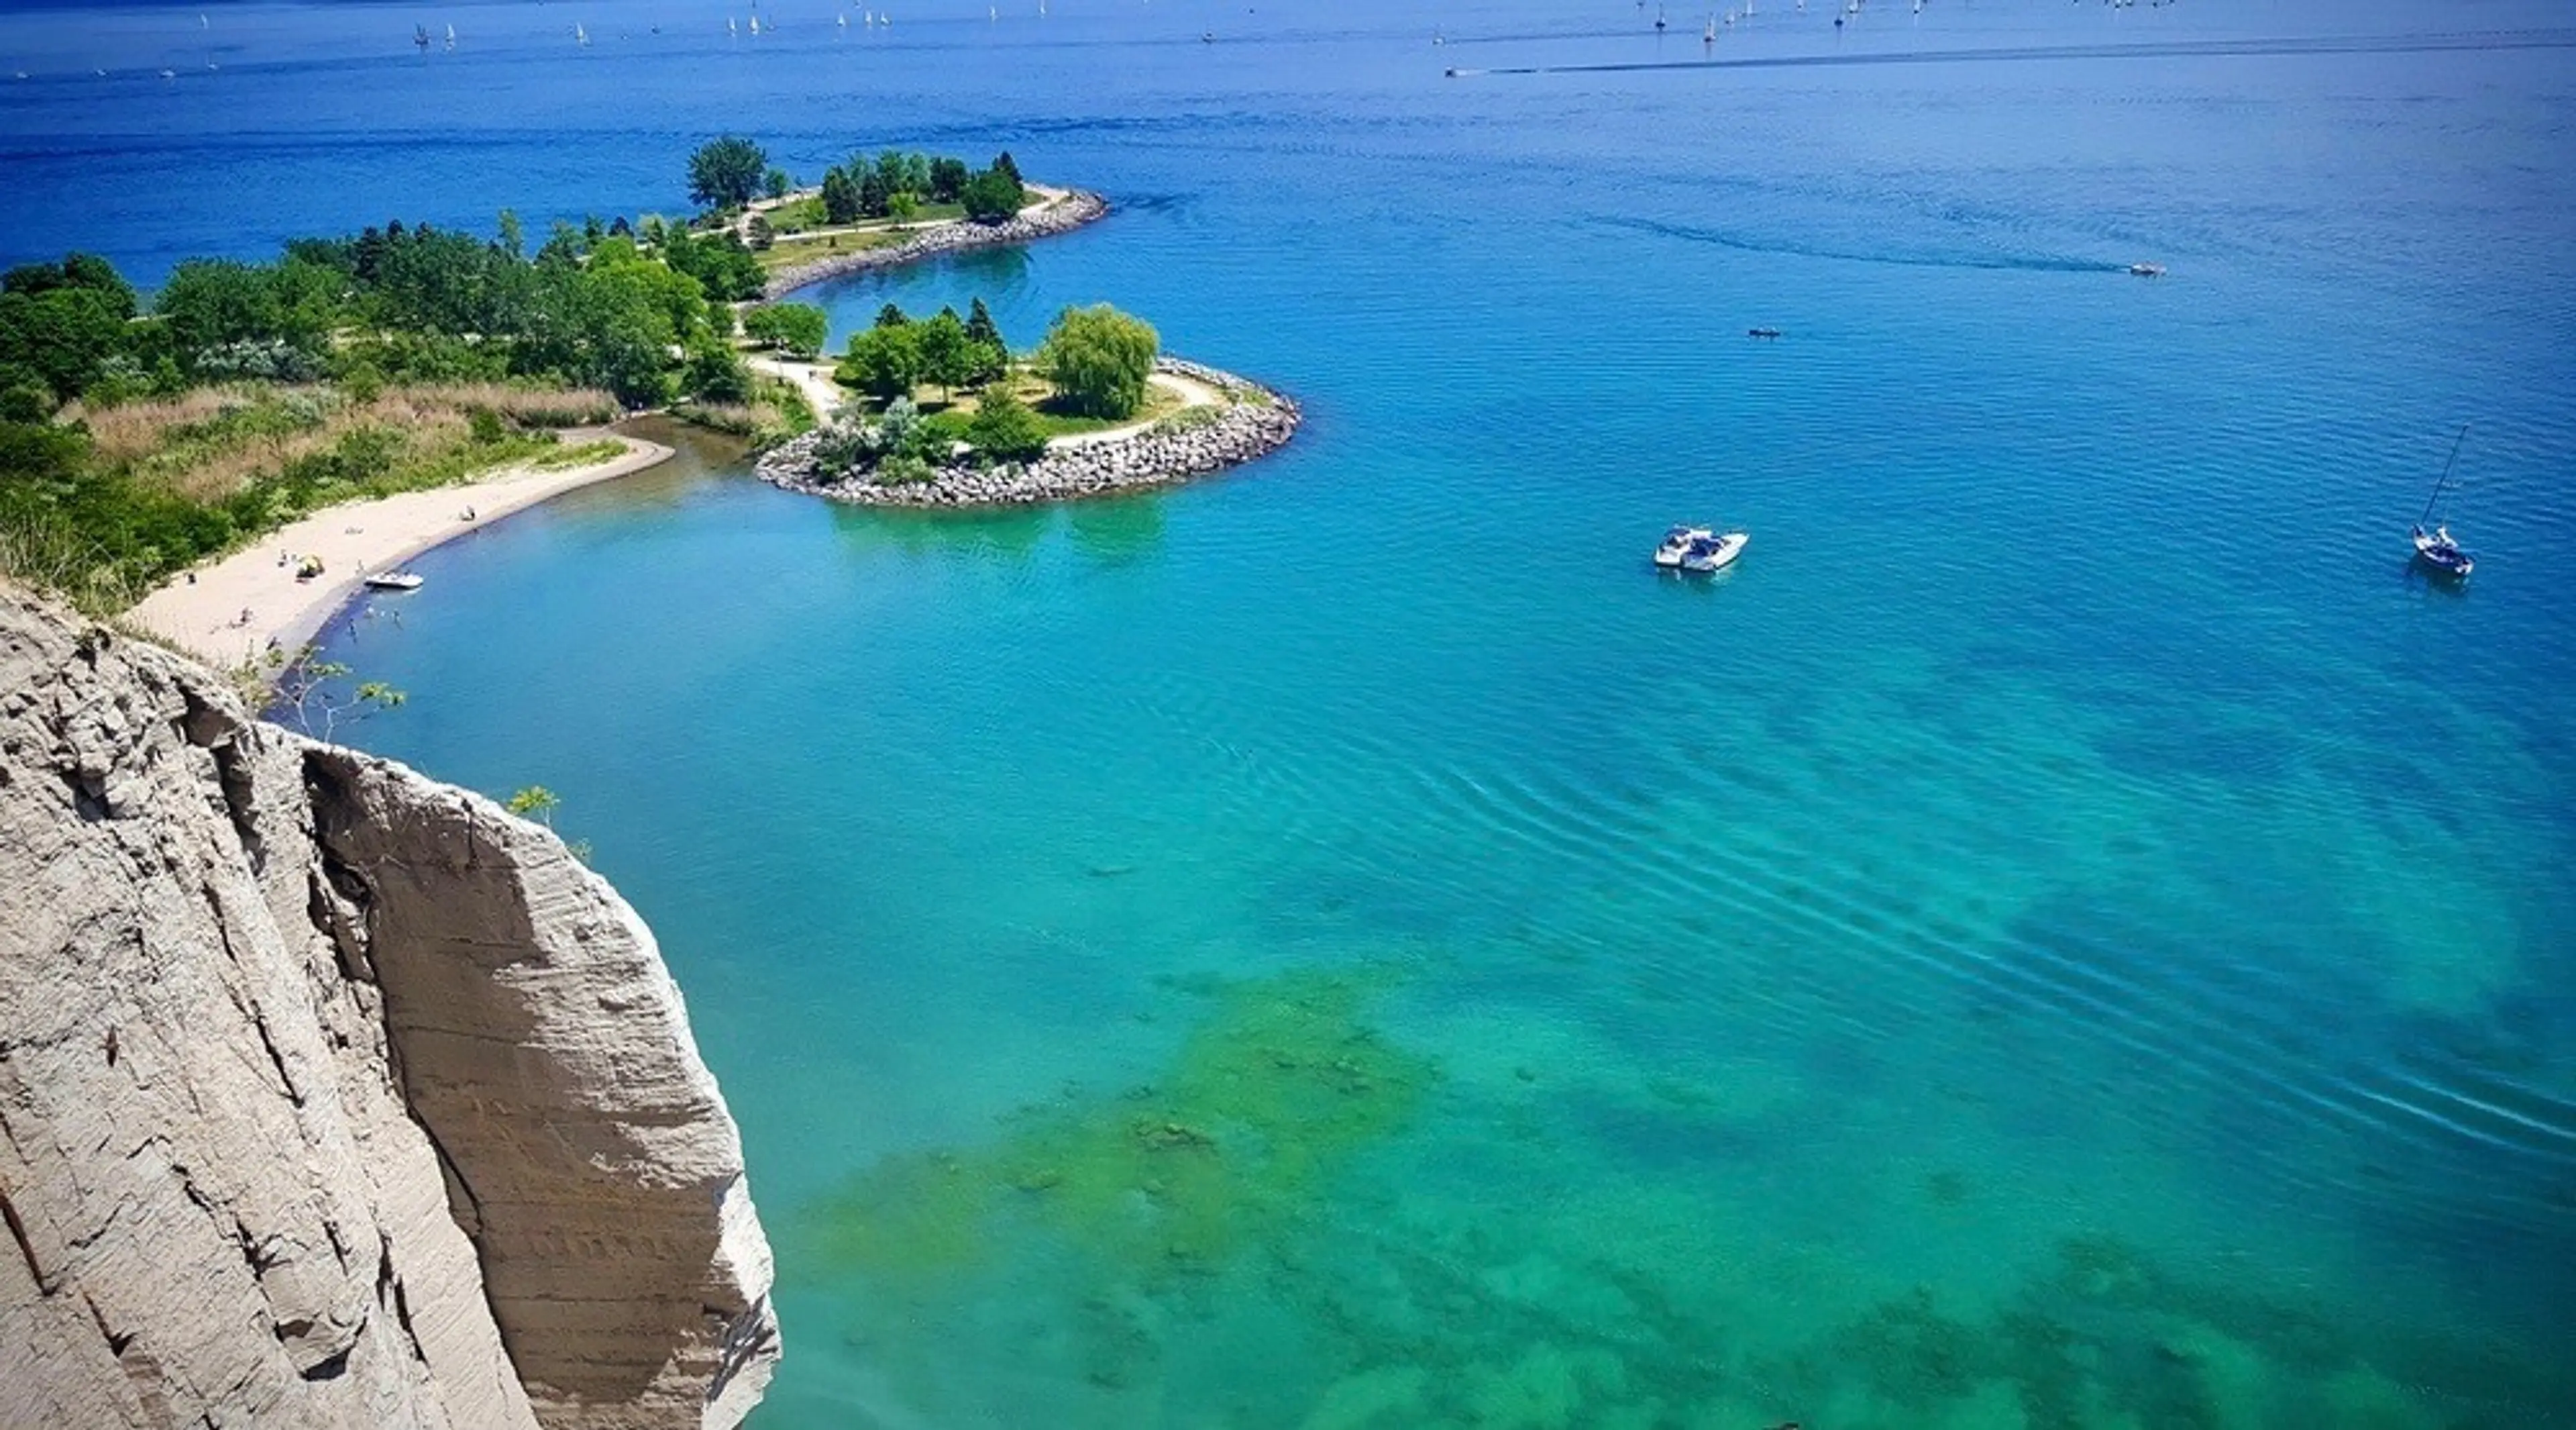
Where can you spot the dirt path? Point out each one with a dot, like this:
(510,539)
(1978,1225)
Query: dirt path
(1194,393)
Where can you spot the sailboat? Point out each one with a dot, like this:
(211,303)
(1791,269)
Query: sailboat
(2435,549)
(451,37)
(580,36)
(420,37)
(755,24)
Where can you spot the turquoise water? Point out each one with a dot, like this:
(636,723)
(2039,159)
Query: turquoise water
(2068,932)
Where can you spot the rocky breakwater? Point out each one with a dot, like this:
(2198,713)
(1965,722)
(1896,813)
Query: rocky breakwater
(1067,212)
(1250,421)
(332,1095)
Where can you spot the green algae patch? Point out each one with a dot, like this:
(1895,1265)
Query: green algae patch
(1276,1092)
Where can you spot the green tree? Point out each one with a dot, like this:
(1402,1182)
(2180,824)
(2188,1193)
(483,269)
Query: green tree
(1005,430)
(840,198)
(883,361)
(716,373)
(726,173)
(947,354)
(797,329)
(79,272)
(514,239)
(723,265)
(902,207)
(980,325)
(992,197)
(1098,358)
(1002,162)
(776,183)
(891,316)
(58,339)
(758,234)
(212,304)
(872,195)
(894,173)
(947,179)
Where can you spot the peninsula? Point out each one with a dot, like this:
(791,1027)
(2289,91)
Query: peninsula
(952,418)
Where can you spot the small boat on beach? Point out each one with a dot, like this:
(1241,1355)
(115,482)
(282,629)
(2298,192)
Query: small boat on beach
(393,580)
(2434,549)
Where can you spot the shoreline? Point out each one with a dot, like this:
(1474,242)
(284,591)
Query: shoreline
(1254,422)
(233,610)
(1068,210)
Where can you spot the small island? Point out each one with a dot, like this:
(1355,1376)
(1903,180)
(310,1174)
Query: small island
(881,212)
(950,418)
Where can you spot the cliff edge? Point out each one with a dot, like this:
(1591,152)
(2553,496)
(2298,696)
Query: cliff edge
(331,1095)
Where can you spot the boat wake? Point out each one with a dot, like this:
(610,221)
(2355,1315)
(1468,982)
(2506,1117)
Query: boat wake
(2038,263)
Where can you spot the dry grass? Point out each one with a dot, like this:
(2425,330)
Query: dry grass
(212,442)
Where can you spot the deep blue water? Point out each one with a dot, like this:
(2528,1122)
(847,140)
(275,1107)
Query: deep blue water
(2069,932)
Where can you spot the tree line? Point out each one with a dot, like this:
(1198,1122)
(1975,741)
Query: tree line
(595,306)
(727,173)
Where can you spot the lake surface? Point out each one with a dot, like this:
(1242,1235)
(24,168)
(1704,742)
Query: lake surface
(2070,932)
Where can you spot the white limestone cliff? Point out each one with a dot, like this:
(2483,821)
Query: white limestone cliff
(331,1095)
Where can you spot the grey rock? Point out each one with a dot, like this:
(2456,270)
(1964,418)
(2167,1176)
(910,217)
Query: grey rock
(331,1095)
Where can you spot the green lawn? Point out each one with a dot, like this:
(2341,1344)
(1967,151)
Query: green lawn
(955,408)
(788,252)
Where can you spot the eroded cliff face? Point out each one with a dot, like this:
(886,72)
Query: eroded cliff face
(331,1095)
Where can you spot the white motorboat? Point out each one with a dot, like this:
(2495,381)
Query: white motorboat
(1678,542)
(394,581)
(2147,270)
(1714,553)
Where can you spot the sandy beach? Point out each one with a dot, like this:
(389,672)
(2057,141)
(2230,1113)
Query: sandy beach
(229,611)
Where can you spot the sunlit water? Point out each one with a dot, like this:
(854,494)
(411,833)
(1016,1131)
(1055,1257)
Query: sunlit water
(2069,933)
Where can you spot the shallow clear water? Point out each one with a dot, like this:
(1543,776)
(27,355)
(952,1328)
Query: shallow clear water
(2069,932)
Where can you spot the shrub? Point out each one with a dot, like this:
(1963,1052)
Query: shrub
(1005,430)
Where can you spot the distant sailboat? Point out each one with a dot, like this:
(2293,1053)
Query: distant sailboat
(451,37)
(420,37)
(1708,33)
(841,20)
(2435,548)
(755,24)
(580,36)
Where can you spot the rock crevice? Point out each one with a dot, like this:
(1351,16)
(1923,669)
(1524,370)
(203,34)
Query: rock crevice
(312,1108)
